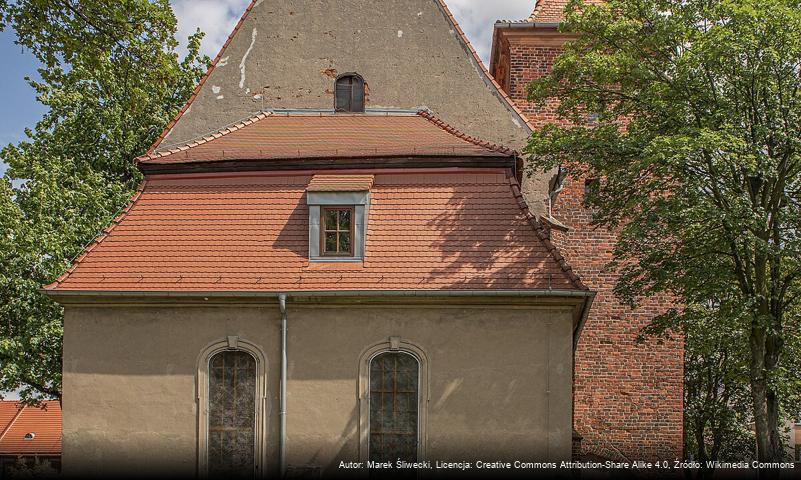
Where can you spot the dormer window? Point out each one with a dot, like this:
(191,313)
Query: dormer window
(336,226)
(338,211)
(349,93)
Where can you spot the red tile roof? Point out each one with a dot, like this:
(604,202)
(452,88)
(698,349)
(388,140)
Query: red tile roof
(428,230)
(270,136)
(548,11)
(552,11)
(17,420)
(340,183)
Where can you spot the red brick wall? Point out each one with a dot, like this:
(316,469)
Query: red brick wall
(628,395)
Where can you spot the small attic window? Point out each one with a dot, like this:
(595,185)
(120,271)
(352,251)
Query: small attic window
(349,93)
(30,436)
(337,231)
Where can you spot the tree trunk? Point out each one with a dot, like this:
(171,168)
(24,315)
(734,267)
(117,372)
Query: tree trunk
(764,399)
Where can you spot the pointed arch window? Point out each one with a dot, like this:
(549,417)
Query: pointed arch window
(349,93)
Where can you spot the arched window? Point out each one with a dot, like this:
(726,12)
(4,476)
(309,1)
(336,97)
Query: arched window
(393,394)
(349,93)
(232,414)
(232,396)
(394,407)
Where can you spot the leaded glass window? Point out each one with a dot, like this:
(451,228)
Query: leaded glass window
(394,407)
(232,414)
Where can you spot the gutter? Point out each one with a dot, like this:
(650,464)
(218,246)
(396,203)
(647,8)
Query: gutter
(321,293)
(502,24)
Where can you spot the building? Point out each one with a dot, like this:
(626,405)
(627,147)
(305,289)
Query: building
(30,437)
(335,257)
(628,395)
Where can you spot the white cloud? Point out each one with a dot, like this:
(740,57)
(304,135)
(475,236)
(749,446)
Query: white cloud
(217,19)
(477,17)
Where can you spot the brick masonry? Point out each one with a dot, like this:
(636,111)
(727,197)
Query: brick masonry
(628,397)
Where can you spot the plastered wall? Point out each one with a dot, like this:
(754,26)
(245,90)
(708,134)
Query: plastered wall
(499,383)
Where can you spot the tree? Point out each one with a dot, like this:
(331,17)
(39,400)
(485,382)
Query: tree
(111,79)
(689,112)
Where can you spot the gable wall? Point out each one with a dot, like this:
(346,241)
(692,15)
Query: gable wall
(286,54)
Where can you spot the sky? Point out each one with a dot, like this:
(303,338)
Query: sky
(19,108)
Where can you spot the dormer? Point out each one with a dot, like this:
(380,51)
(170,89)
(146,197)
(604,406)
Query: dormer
(338,212)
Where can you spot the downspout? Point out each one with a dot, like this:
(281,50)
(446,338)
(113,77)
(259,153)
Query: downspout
(282,401)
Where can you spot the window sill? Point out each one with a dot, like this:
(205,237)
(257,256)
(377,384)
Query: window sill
(335,263)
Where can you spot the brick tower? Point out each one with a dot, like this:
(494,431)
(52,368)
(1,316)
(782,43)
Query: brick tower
(628,395)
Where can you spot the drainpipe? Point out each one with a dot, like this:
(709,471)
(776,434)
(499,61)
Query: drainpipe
(282,406)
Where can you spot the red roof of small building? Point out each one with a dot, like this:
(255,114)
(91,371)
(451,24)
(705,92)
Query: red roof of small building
(16,421)
(275,136)
(445,229)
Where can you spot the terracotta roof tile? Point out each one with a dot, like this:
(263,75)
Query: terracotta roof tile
(16,421)
(552,11)
(299,135)
(432,231)
(340,183)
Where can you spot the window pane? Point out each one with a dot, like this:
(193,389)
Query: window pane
(357,98)
(331,242)
(394,390)
(331,219)
(343,96)
(232,414)
(344,242)
(344,219)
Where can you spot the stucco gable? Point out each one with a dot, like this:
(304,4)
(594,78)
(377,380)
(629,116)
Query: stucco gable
(286,54)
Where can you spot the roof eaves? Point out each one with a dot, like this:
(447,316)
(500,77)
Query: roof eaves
(94,243)
(202,81)
(544,235)
(487,77)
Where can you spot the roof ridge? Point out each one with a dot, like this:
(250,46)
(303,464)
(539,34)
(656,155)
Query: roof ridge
(98,239)
(544,235)
(233,127)
(459,134)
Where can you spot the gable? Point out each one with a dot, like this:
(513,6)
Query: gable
(286,55)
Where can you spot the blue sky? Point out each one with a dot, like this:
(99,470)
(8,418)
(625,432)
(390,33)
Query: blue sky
(19,108)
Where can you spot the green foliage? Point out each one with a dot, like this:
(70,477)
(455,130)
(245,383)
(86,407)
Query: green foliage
(695,132)
(112,80)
